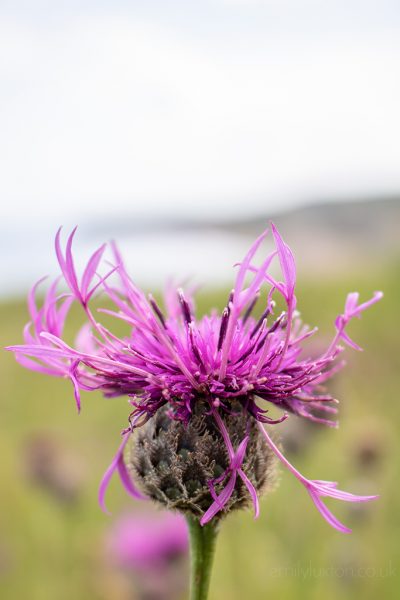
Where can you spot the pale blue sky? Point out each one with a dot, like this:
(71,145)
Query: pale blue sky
(197,107)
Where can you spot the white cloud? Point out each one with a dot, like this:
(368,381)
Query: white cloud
(107,113)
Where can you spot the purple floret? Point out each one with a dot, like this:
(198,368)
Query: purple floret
(171,357)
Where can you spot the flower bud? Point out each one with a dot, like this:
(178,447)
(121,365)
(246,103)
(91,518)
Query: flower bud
(174,463)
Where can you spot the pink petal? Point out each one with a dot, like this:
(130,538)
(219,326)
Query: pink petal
(221,500)
(110,472)
(287,262)
(90,270)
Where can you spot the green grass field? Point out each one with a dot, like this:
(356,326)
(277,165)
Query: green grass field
(53,550)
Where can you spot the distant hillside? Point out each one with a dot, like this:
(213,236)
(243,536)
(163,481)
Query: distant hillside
(361,231)
(364,232)
(359,218)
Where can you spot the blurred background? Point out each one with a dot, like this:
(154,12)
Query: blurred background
(179,129)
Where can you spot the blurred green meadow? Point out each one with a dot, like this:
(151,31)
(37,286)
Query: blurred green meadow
(52,529)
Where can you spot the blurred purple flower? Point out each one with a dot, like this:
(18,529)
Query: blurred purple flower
(52,466)
(171,357)
(147,541)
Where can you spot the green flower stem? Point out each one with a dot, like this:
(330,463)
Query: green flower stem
(202,549)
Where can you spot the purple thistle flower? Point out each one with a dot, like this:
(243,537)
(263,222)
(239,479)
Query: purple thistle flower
(147,541)
(171,358)
(148,552)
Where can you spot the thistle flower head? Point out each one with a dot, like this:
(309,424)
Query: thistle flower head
(149,551)
(147,541)
(171,362)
